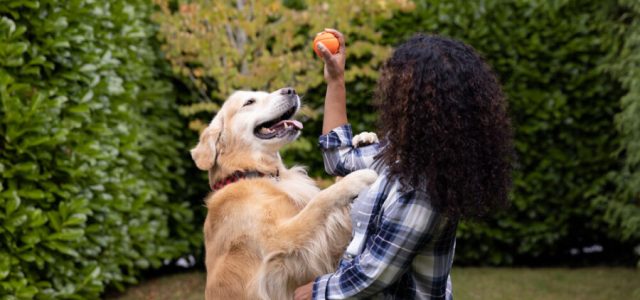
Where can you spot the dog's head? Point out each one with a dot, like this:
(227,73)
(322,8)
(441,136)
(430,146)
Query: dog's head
(249,124)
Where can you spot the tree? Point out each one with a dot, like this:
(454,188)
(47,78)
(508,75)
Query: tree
(221,46)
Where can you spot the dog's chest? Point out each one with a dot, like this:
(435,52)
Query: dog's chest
(300,189)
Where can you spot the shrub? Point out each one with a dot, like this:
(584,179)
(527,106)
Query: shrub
(90,152)
(623,206)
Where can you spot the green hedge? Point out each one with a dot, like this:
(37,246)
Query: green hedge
(90,153)
(623,206)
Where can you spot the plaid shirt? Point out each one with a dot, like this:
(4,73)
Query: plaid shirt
(401,247)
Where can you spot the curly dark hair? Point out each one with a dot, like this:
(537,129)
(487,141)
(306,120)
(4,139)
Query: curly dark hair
(445,118)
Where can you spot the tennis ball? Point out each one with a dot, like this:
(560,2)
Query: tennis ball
(328,40)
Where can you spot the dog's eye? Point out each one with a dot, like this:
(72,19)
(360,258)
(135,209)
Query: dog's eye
(249,102)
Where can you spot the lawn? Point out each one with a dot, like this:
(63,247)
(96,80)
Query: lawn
(548,284)
(468,283)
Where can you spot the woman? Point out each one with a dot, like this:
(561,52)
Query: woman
(446,154)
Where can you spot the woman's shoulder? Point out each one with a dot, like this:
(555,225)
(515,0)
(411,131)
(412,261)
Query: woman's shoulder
(407,196)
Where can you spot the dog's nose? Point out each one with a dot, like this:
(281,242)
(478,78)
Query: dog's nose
(288,91)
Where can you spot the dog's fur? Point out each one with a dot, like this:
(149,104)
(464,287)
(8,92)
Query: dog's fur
(265,236)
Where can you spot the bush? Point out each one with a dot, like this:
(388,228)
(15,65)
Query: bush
(623,207)
(90,152)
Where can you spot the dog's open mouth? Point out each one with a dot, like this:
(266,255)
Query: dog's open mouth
(279,127)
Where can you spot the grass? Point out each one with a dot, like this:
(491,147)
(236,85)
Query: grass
(548,284)
(183,286)
(468,283)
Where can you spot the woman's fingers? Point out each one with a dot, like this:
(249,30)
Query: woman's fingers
(326,54)
(304,292)
(330,63)
(340,37)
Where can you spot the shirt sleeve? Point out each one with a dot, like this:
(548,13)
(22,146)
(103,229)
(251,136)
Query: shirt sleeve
(339,155)
(406,224)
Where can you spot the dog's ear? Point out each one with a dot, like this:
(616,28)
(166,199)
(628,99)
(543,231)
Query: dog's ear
(205,153)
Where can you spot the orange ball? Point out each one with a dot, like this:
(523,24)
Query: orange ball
(329,40)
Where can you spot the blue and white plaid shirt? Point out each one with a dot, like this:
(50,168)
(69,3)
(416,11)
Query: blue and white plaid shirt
(401,248)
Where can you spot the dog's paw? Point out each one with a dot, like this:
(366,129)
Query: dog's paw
(357,181)
(364,139)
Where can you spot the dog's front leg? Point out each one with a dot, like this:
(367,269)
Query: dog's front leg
(300,250)
(295,232)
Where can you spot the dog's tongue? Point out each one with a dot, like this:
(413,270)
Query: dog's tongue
(287,123)
(295,123)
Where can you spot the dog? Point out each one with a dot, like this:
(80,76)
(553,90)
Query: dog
(268,229)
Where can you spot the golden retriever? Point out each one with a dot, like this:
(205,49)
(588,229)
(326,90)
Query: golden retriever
(273,230)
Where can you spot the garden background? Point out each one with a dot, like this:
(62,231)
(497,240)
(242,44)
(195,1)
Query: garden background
(100,102)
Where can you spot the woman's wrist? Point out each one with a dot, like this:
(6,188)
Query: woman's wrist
(336,92)
(337,81)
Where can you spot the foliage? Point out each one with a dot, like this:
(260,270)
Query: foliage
(89,150)
(623,207)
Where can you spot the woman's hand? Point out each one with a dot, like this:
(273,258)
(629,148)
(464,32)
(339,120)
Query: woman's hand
(304,292)
(334,63)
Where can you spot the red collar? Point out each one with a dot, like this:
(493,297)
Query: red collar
(237,175)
